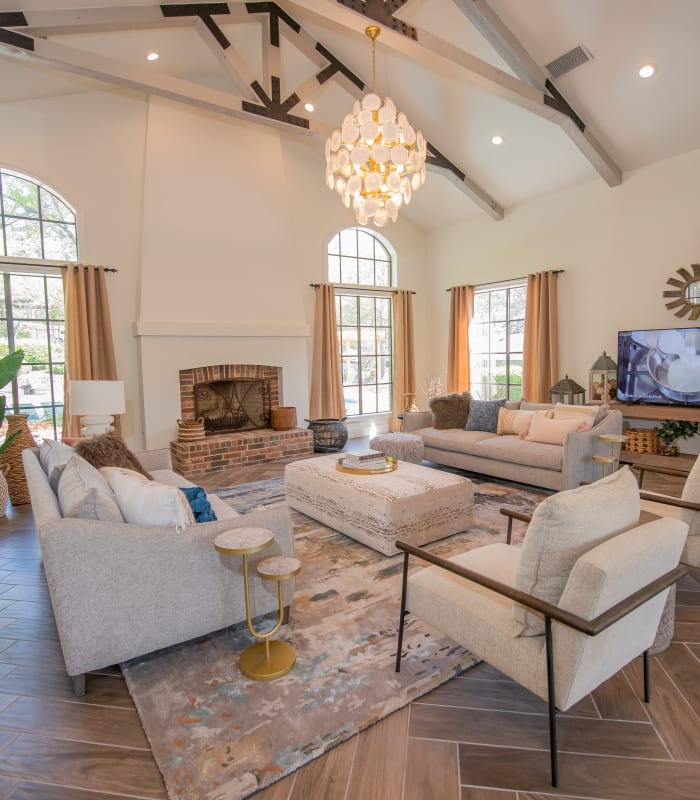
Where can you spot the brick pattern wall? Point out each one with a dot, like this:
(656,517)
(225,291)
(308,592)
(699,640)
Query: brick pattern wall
(189,378)
(213,453)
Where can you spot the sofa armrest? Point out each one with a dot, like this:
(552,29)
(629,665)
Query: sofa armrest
(415,420)
(579,448)
(155,459)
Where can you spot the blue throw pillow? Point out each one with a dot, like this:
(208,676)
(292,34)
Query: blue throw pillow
(483,415)
(201,507)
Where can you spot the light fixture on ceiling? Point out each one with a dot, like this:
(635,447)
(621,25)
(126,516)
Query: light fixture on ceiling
(152,56)
(497,139)
(647,71)
(309,106)
(376,160)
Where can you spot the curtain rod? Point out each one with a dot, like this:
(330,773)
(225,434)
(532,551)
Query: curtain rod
(359,288)
(85,267)
(509,280)
(19,265)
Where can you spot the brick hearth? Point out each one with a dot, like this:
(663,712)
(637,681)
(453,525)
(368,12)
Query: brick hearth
(227,450)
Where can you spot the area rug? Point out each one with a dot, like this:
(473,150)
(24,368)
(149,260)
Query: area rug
(247,497)
(219,736)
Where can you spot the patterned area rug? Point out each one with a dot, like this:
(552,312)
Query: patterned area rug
(218,736)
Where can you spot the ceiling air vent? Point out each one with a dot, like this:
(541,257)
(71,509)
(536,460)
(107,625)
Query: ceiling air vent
(564,64)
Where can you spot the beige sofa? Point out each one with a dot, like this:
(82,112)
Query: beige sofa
(512,458)
(121,590)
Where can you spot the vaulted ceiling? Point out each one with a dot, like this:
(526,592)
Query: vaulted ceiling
(462,70)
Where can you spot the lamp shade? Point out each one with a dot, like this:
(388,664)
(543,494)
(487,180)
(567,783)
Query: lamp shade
(96,397)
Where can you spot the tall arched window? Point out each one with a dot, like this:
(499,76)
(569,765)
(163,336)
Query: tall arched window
(362,268)
(37,226)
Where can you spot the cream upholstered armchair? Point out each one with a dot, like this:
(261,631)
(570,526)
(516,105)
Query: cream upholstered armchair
(687,508)
(560,615)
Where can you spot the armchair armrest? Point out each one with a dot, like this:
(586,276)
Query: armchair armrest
(668,500)
(642,469)
(512,514)
(590,627)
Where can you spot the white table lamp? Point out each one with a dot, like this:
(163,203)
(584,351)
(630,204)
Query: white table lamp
(96,402)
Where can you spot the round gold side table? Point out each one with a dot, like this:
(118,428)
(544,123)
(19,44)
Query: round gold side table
(613,460)
(266,660)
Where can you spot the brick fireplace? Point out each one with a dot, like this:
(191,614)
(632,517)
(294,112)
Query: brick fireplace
(235,400)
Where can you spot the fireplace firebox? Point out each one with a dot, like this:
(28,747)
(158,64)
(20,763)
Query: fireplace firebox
(242,404)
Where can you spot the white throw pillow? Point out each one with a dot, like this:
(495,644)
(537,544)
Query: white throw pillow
(85,494)
(563,528)
(568,411)
(146,502)
(53,454)
(553,431)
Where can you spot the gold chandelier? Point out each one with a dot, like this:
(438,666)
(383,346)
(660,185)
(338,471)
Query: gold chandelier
(376,160)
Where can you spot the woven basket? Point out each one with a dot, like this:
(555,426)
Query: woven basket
(642,440)
(190,431)
(11,459)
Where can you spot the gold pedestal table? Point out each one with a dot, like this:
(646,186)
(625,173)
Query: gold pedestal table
(266,660)
(613,460)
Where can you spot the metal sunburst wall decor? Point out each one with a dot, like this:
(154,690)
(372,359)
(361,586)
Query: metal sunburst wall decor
(686,295)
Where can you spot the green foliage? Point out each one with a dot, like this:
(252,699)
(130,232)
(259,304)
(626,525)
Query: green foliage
(10,365)
(672,429)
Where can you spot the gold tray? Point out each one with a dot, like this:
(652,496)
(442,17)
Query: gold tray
(391,464)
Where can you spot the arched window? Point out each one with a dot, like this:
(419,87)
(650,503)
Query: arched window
(362,268)
(37,227)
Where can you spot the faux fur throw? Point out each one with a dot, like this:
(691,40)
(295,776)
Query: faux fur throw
(450,410)
(108,450)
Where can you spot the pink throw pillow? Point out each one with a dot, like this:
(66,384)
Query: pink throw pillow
(553,431)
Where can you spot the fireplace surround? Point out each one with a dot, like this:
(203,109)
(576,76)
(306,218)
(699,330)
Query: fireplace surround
(236,401)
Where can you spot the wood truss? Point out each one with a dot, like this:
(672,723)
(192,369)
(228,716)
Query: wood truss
(24,35)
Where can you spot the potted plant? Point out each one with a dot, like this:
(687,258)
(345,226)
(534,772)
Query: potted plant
(9,367)
(672,429)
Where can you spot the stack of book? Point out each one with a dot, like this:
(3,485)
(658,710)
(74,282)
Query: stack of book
(364,459)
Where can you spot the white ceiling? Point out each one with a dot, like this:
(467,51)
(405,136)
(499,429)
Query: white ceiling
(636,121)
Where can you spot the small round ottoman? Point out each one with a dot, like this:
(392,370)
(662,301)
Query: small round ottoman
(404,446)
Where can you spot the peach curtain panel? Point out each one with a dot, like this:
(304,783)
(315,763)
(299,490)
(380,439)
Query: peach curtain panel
(404,377)
(89,345)
(540,365)
(326,400)
(461,315)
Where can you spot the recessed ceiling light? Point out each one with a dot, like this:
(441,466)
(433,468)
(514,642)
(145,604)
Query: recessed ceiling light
(152,56)
(309,107)
(496,139)
(647,71)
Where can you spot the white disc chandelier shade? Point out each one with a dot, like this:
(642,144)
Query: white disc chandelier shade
(377,159)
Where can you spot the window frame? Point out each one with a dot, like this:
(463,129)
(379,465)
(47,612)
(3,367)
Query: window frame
(370,292)
(507,354)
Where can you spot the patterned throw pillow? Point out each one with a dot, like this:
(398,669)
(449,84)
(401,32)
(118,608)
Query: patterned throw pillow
(513,422)
(200,505)
(483,415)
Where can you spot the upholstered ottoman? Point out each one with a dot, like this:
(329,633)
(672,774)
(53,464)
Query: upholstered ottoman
(404,446)
(413,503)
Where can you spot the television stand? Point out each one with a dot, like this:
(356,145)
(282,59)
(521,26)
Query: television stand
(657,412)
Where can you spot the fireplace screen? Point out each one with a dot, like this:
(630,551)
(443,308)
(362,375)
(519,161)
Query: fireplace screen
(233,405)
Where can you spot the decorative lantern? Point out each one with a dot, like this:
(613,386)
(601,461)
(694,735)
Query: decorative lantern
(567,391)
(602,385)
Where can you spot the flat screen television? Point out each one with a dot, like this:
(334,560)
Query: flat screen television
(659,366)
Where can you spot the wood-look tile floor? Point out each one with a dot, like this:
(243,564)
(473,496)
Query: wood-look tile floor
(478,737)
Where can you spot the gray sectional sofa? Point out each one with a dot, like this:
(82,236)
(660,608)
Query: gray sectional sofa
(509,457)
(122,590)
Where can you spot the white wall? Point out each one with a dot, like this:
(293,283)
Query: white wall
(89,147)
(617,247)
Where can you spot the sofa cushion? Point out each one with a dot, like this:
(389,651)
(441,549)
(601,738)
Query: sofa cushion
(146,502)
(553,431)
(52,454)
(515,450)
(450,410)
(483,415)
(453,440)
(108,450)
(85,494)
(513,422)
(563,527)
(526,405)
(569,411)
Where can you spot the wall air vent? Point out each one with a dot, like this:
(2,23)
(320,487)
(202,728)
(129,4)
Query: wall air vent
(576,57)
